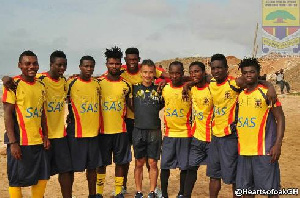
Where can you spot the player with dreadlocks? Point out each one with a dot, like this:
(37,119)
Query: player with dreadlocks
(115,94)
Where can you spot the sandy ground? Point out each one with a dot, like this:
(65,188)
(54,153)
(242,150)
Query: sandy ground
(289,165)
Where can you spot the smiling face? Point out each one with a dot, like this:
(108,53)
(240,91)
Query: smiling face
(148,73)
(29,66)
(219,70)
(59,66)
(132,61)
(87,68)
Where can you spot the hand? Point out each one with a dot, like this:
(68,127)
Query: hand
(271,96)
(9,83)
(185,93)
(161,85)
(46,143)
(16,151)
(275,152)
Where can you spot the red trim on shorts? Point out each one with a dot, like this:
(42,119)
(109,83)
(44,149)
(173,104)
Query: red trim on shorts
(208,126)
(41,132)
(188,125)
(4,97)
(78,122)
(22,125)
(194,128)
(261,134)
(166,127)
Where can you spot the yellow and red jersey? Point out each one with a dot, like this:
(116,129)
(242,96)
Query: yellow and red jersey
(113,105)
(203,112)
(84,112)
(177,112)
(256,124)
(134,79)
(28,99)
(224,99)
(56,92)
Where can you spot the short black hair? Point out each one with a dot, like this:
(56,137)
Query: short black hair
(246,62)
(114,52)
(177,63)
(26,53)
(148,62)
(132,50)
(199,64)
(57,54)
(219,57)
(87,58)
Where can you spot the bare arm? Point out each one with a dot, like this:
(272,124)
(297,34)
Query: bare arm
(271,94)
(280,119)
(9,83)
(45,131)
(9,126)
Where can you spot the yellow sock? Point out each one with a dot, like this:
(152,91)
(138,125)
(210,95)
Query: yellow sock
(100,183)
(119,184)
(38,190)
(15,192)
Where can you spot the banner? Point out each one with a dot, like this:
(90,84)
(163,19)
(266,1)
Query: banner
(281,27)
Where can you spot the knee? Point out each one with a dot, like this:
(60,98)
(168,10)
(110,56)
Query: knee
(139,163)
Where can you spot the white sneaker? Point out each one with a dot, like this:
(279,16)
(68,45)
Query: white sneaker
(158,192)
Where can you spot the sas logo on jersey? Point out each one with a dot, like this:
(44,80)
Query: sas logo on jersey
(258,103)
(179,113)
(33,112)
(227,95)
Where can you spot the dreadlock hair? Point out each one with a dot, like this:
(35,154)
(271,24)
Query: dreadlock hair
(57,54)
(219,57)
(132,50)
(199,64)
(114,52)
(246,62)
(87,58)
(26,53)
(178,63)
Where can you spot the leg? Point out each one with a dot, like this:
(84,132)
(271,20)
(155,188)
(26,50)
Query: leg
(38,190)
(288,88)
(101,171)
(153,173)
(164,178)
(214,187)
(91,176)
(182,181)
(65,181)
(281,86)
(138,173)
(126,168)
(119,178)
(190,181)
(15,192)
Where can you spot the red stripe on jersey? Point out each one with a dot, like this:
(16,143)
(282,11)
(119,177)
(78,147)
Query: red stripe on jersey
(208,127)
(4,97)
(230,118)
(46,121)
(41,132)
(78,122)
(188,125)
(123,118)
(101,121)
(261,134)
(194,128)
(22,125)
(166,127)
(65,132)
(278,104)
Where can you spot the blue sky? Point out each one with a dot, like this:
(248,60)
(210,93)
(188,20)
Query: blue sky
(161,29)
